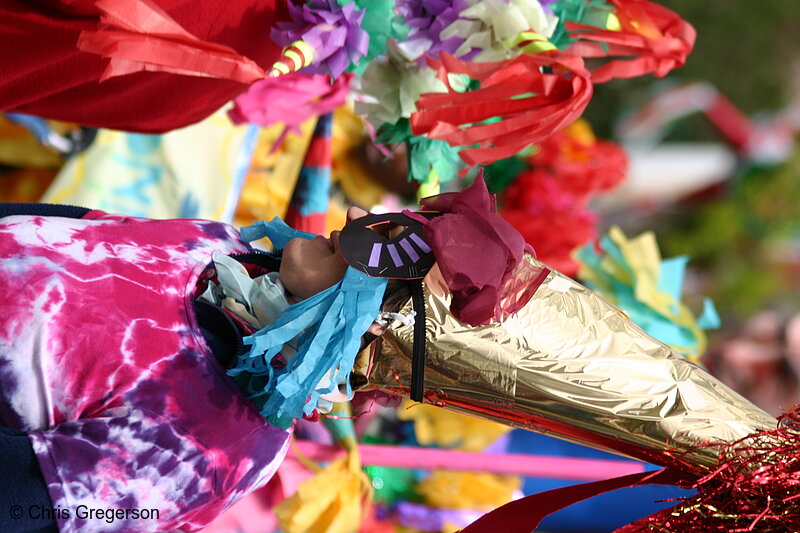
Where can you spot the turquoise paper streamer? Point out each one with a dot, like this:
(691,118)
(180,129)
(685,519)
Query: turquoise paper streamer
(327,328)
(670,281)
(275,230)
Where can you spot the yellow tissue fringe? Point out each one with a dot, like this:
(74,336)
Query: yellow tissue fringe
(468,490)
(642,255)
(435,426)
(331,501)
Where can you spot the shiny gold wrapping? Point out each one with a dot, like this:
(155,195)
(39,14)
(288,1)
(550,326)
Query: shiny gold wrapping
(572,365)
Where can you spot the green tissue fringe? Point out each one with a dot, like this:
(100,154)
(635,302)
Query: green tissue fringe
(423,154)
(378,12)
(591,12)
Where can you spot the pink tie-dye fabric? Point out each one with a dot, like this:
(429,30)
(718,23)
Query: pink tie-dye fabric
(102,362)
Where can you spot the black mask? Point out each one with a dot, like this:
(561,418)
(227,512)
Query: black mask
(366,248)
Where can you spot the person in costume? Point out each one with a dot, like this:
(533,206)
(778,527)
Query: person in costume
(160,365)
(116,340)
(108,376)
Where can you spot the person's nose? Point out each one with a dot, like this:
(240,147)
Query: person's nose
(355,212)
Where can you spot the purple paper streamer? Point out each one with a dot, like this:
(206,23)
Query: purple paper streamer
(426,20)
(333,31)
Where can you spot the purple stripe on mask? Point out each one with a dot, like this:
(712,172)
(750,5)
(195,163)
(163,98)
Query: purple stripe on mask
(375,256)
(421,243)
(409,250)
(398,262)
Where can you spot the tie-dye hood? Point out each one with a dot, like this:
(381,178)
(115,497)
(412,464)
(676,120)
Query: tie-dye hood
(102,361)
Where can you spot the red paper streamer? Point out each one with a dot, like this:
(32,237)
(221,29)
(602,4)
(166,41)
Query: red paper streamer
(656,38)
(531,104)
(140,36)
(524,515)
(548,203)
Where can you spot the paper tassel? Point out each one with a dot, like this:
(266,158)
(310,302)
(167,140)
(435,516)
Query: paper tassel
(589,12)
(516,105)
(142,37)
(326,332)
(329,502)
(655,39)
(632,275)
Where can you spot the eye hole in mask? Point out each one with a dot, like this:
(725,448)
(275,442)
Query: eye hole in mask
(388,229)
(389,245)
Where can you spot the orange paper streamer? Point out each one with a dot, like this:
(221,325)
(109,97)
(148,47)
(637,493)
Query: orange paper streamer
(652,39)
(531,104)
(138,36)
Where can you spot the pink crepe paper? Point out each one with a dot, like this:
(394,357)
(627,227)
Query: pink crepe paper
(290,100)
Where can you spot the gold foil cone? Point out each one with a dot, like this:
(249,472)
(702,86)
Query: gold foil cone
(572,365)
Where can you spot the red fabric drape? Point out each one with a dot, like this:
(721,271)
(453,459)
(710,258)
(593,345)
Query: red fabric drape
(44,73)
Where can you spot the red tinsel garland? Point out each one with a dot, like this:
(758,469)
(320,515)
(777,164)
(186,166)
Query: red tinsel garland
(755,488)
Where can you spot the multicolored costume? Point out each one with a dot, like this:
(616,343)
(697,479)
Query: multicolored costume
(103,363)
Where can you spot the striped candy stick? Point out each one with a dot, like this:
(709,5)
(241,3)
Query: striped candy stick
(296,56)
(309,204)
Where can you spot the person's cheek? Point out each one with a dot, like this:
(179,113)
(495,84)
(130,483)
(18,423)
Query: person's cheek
(292,271)
(334,270)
